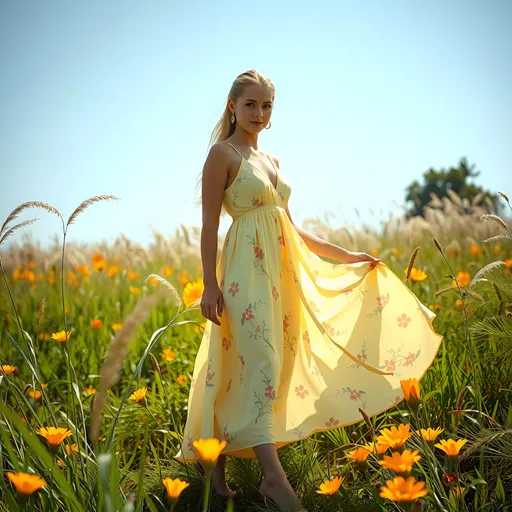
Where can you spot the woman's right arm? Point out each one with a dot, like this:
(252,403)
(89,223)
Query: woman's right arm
(215,176)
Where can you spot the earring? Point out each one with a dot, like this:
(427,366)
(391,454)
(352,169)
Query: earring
(269,125)
(232,118)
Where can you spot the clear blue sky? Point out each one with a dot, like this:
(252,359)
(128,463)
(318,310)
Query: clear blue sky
(121,97)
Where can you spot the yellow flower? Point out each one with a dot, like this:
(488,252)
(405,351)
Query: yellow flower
(184,278)
(133,275)
(403,490)
(7,369)
(167,271)
(26,483)
(134,291)
(96,323)
(84,270)
(99,262)
(458,491)
(192,292)
(54,435)
(416,274)
(44,336)
(395,252)
(90,390)
(35,394)
(400,462)
(168,354)
(360,454)
(112,270)
(458,304)
(374,252)
(378,448)
(475,250)
(139,395)
(412,393)
(117,327)
(435,307)
(154,281)
(61,336)
(174,487)
(209,451)
(395,437)
(430,434)
(182,379)
(463,279)
(451,446)
(330,487)
(72,449)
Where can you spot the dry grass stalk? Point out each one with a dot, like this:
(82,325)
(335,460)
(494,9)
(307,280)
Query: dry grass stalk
(411,262)
(41,310)
(168,286)
(30,204)
(438,245)
(502,194)
(482,273)
(495,218)
(88,202)
(117,352)
(11,231)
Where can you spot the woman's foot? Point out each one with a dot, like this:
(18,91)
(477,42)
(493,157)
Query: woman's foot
(279,490)
(219,482)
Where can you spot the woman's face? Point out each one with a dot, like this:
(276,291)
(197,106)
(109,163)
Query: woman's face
(253,109)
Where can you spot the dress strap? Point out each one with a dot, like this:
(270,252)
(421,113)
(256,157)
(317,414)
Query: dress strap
(235,149)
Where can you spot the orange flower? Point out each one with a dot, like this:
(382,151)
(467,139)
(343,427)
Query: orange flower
(360,454)
(7,369)
(395,437)
(167,271)
(463,279)
(430,434)
(61,336)
(508,263)
(117,327)
(25,483)
(416,274)
(54,436)
(133,275)
(96,323)
(400,462)
(139,395)
(112,270)
(72,449)
(451,447)
(475,250)
(378,448)
(209,451)
(174,487)
(99,262)
(193,292)
(168,354)
(135,291)
(403,490)
(458,304)
(182,379)
(35,394)
(184,278)
(411,389)
(90,390)
(153,281)
(330,487)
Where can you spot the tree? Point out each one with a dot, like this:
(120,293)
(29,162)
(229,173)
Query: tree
(438,182)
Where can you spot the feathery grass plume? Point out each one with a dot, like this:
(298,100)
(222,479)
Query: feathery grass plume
(41,310)
(411,262)
(186,235)
(30,204)
(495,218)
(88,202)
(502,194)
(117,352)
(168,286)
(11,231)
(482,273)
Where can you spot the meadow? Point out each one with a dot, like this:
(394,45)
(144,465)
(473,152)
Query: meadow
(97,350)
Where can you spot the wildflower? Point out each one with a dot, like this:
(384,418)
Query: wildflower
(112,270)
(44,336)
(132,275)
(117,327)
(96,323)
(209,451)
(451,447)
(139,396)
(134,290)
(475,250)
(193,292)
(182,379)
(416,274)
(449,480)
(395,437)
(168,354)
(435,307)
(400,462)
(174,487)
(463,279)
(99,262)
(376,447)
(167,271)
(403,490)
(35,394)
(430,434)
(374,252)
(184,278)
(458,491)
(360,454)
(54,436)
(61,336)
(330,487)
(72,449)
(411,389)
(458,304)
(89,390)
(153,281)
(26,484)
(7,369)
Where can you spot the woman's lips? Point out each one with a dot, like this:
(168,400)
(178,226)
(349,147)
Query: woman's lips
(256,122)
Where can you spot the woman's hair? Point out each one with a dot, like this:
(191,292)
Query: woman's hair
(224,127)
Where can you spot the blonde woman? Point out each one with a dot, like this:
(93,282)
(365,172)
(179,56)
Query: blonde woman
(293,344)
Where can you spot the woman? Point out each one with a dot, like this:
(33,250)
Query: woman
(293,344)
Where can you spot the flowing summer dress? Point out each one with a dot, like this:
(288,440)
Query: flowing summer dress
(303,343)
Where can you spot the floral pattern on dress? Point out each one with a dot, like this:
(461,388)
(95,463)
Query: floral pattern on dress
(353,394)
(259,255)
(403,320)
(382,301)
(264,401)
(209,375)
(301,391)
(234,288)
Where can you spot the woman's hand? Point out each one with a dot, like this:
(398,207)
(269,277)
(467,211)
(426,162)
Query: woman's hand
(211,302)
(355,257)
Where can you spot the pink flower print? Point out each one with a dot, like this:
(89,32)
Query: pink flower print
(390,365)
(281,239)
(305,337)
(286,324)
(226,343)
(354,395)
(403,321)
(257,202)
(258,329)
(258,252)
(229,385)
(234,288)
(381,301)
(361,357)
(270,392)
(247,314)
(275,293)
(330,329)
(208,377)
(226,436)
(301,391)
(332,422)
(410,359)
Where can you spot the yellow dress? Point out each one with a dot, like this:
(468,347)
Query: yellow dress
(303,343)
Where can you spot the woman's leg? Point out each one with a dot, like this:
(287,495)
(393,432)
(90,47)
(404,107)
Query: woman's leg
(275,484)
(219,477)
